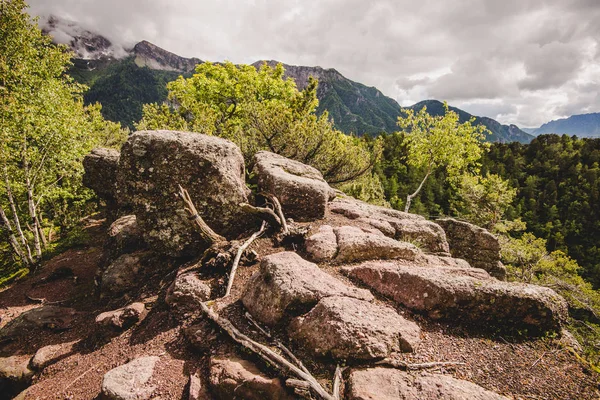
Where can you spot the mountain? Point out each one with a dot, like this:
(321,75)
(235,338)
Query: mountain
(584,125)
(123,80)
(500,133)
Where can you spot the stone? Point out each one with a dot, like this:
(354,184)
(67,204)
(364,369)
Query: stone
(15,375)
(481,303)
(186,292)
(234,378)
(100,174)
(393,384)
(346,328)
(475,244)
(130,381)
(51,318)
(211,169)
(322,246)
(123,237)
(123,318)
(569,341)
(123,274)
(288,284)
(301,189)
(395,224)
(50,354)
(356,245)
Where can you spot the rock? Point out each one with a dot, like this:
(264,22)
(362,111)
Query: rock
(233,378)
(301,189)
(100,175)
(196,391)
(50,354)
(123,237)
(45,317)
(351,244)
(568,340)
(355,245)
(125,273)
(393,384)
(481,303)
(285,283)
(347,328)
(15,375)
(203,335)
(186,292)
(322,246)
(211,169)
(130,381)
(123,318)
(396,224)
(476,245)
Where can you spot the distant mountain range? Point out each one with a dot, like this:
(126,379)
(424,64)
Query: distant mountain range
(584,125)
(123,80)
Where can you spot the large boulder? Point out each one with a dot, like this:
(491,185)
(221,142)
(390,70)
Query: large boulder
(482,303)
(475,244)
(287,284)
(352,244)
(301,189)
(347,328)
(234,378)
(393,384)
(52,318)
(100,175)
(130,381)
(15,375)
(211,169)
(397,224)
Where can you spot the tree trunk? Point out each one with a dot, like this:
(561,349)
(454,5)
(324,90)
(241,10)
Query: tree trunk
(14,243)
(412,196)
(34,219)
(13,209)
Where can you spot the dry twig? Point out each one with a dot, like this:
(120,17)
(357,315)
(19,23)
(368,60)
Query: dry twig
(238,256)
(210,236)
(390,362)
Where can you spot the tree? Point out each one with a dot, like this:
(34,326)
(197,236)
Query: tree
(260,110)
(483,200)
(45,130)
(440,141)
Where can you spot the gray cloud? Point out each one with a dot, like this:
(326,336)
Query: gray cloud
(522,61)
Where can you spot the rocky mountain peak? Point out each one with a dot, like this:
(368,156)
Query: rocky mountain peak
(151,56)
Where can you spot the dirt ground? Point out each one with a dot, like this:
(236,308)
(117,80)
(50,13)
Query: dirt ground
(517,368)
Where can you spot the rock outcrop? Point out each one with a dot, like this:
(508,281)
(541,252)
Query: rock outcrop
(52,318)
(211,169)
(351,244)
(483,303)
(100,175)
(234,378)
(287,284)
(397,224)
(301,189)
(474,244)
(393,384)
(347,328)
(130,381)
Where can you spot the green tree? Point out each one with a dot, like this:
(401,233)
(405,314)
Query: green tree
(45,130)
(440,141)
(483,200)
(260,110)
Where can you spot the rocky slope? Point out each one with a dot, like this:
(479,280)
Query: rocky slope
(145,312)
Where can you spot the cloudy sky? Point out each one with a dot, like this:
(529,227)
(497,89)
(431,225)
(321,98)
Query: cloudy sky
(518,61)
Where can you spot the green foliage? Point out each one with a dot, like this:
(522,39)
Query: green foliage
(483,200)
(433,142)
(45,131)
(259,110)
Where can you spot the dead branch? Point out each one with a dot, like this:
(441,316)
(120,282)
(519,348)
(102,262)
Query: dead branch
(208,235)
(390,362)
(265,213)
(257,325)
(238,256)
(279,211)
(337,382)
(43,300)
(301,388)
(284,366)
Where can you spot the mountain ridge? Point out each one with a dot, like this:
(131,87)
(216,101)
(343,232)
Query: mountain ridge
(582,125)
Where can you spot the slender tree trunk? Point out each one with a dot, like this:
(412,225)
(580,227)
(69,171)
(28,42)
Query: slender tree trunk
(41,231)
(13,209)
(412,196)
(14,243)
(34,220)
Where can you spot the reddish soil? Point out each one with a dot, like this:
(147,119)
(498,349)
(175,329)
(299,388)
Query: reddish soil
(519,369)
